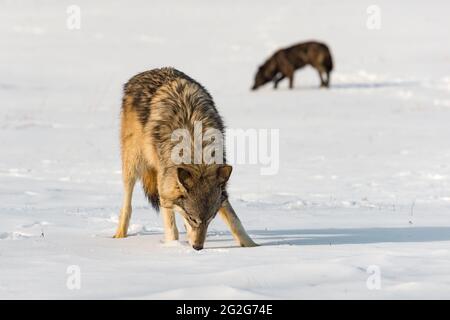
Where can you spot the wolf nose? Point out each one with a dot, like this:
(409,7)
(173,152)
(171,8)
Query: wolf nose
(196,247)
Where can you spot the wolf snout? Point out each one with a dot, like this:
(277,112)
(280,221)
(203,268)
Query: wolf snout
(197,247)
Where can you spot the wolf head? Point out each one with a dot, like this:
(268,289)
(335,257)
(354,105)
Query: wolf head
(261,78)
(265,73)
(198,192)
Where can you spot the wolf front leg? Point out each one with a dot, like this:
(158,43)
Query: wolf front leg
(125,212)
(170,226)
(285,67)
(188,228)
(235,225)
(291,80)
(277,80)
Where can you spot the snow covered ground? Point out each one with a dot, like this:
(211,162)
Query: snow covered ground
(364,182)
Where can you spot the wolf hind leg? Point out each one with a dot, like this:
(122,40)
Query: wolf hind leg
(322,80)
(170,226)
(321,71)
(235,225)
(327,82)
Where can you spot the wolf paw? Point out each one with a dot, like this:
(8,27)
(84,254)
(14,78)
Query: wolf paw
(119,235)
(249,243)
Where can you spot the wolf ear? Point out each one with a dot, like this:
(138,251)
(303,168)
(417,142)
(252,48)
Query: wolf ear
(185,178)
(223,173)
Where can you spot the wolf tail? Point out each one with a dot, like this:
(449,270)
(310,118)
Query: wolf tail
(150,188)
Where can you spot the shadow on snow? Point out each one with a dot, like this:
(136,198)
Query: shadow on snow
(350,236)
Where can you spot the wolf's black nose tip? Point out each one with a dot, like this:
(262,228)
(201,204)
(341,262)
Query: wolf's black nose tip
(197,247)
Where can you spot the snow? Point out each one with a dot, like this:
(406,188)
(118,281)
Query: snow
(364,177)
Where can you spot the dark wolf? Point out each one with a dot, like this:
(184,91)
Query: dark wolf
(155,104)
(284,62)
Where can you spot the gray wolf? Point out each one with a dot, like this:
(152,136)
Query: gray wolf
(156,104)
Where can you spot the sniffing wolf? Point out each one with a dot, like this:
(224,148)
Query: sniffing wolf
(155,104)
(284,62)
